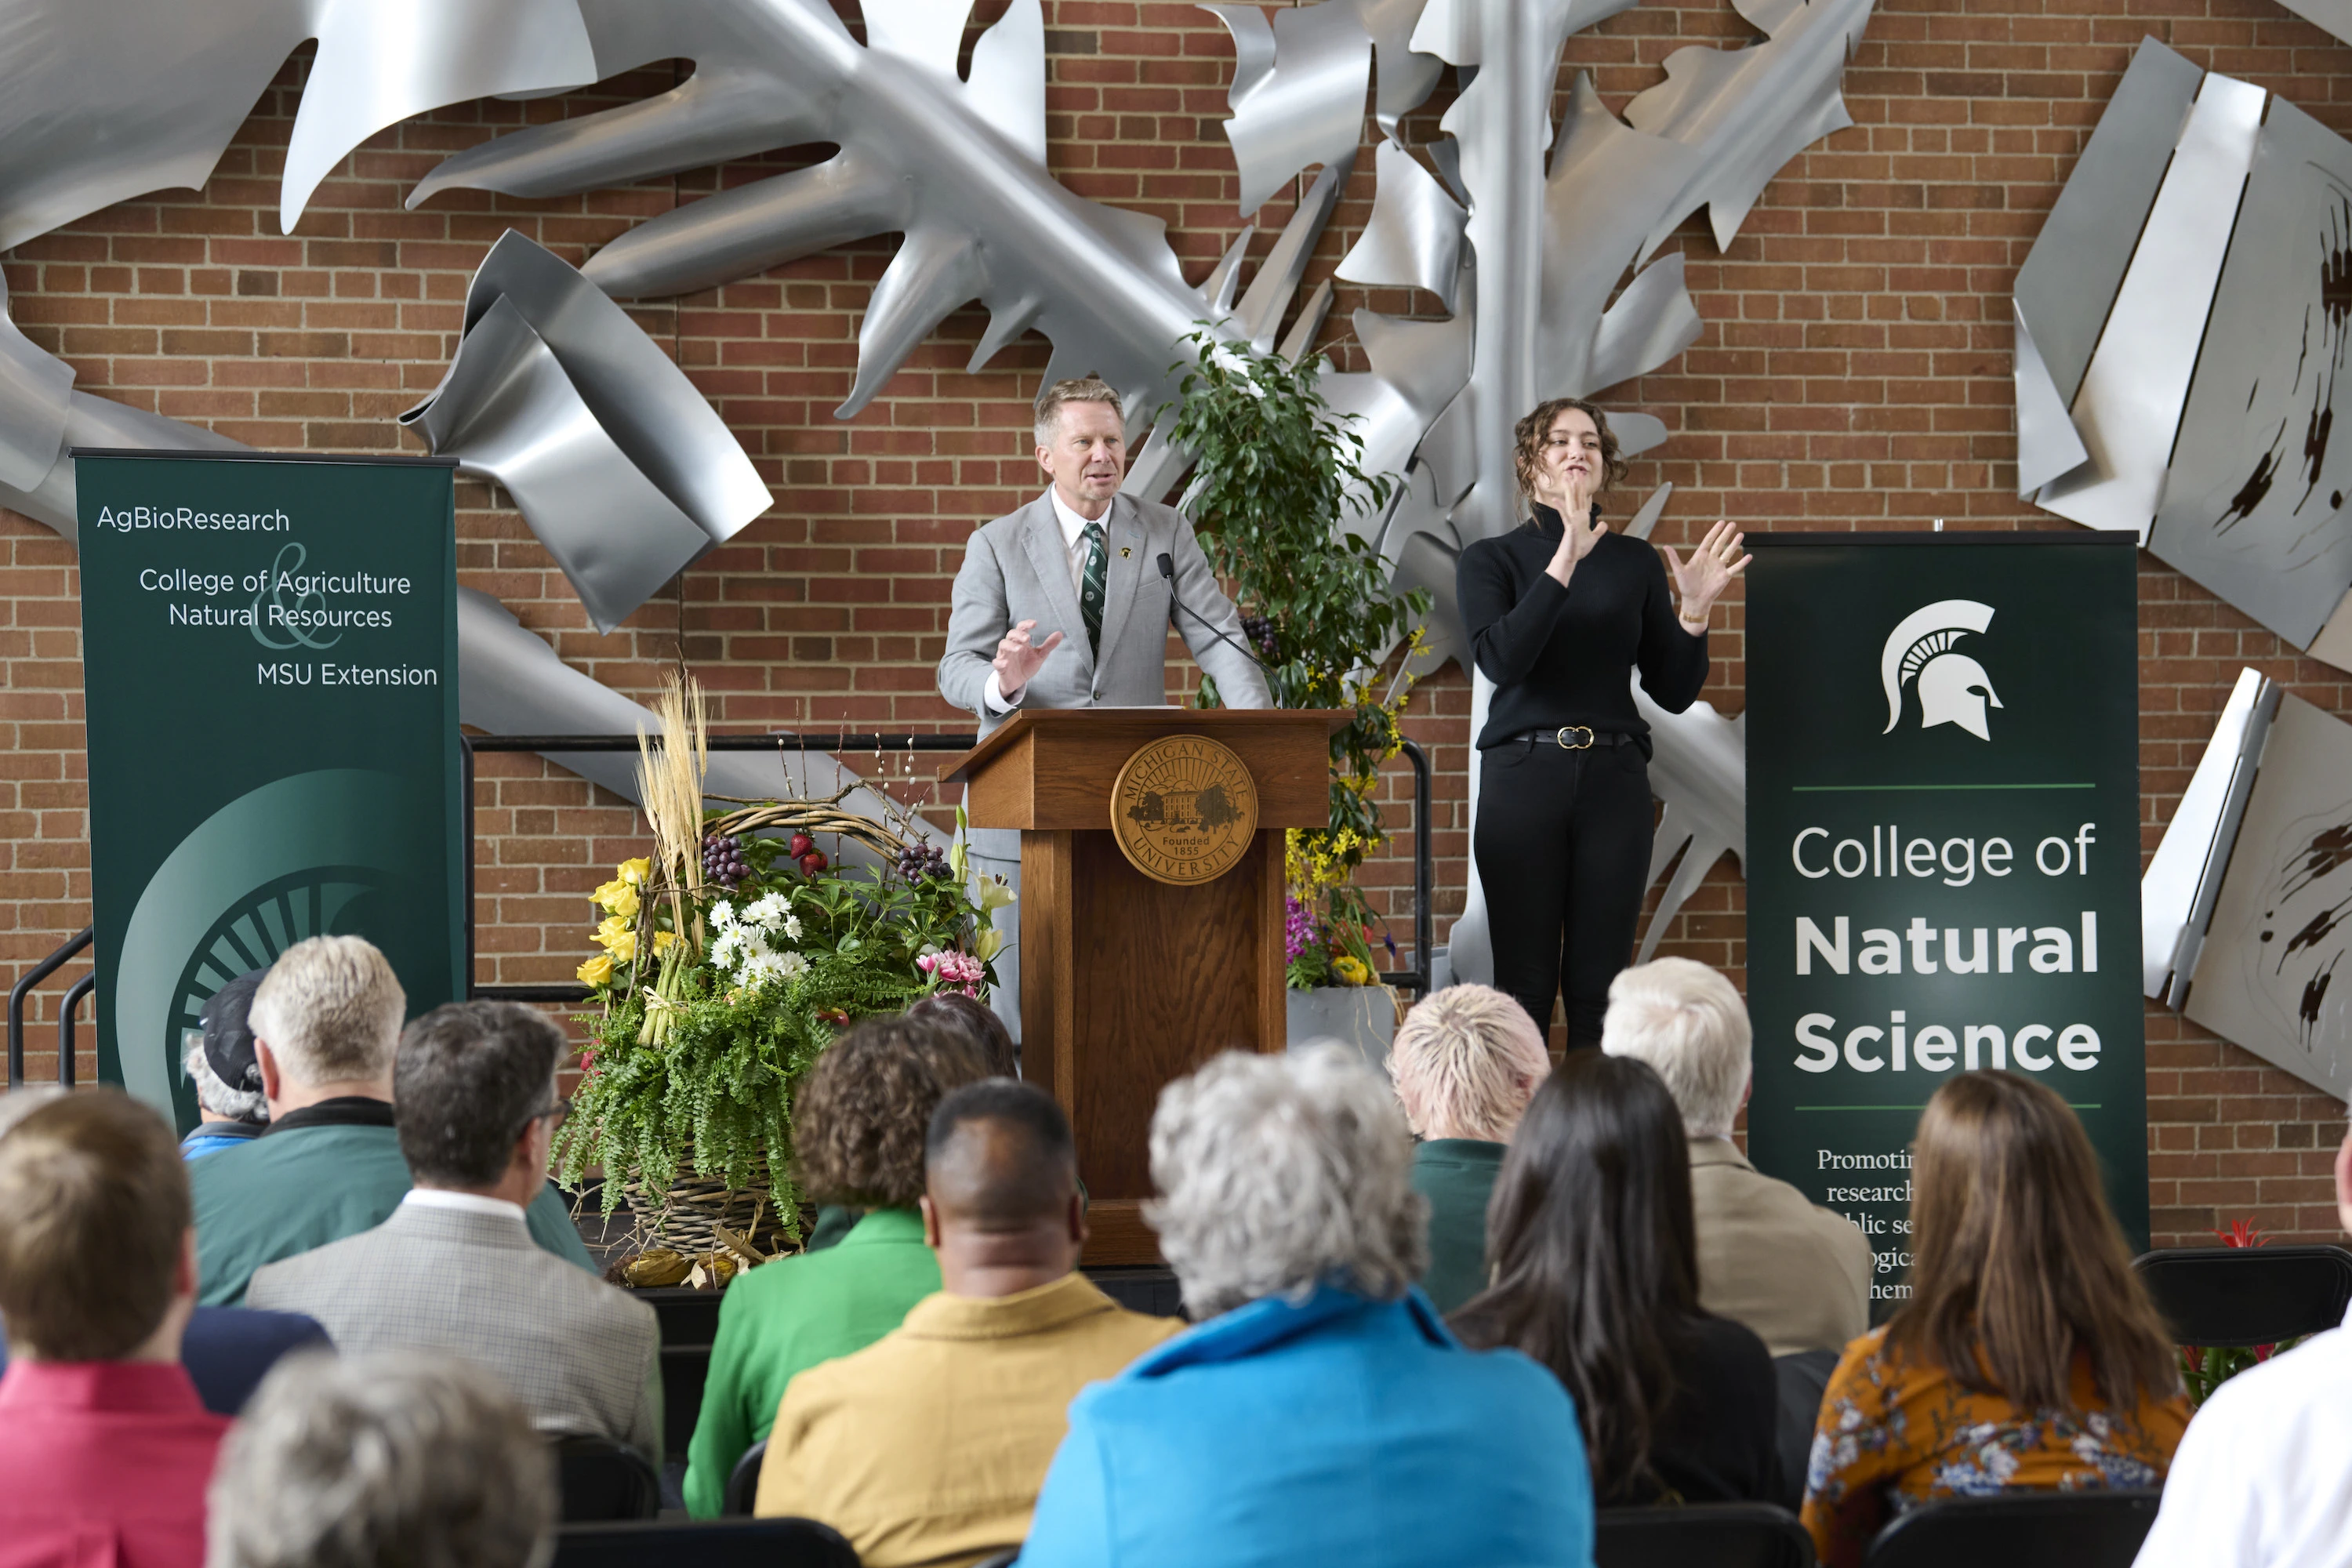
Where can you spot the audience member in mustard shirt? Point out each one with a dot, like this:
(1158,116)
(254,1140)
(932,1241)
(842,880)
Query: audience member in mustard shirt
(929,1446)
(2027,1357)
(859,1126)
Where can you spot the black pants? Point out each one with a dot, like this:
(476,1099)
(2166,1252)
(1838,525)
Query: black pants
(1564,849)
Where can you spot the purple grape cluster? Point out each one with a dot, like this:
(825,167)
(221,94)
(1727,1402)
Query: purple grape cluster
(1259,630)
(920,862)
(723,865)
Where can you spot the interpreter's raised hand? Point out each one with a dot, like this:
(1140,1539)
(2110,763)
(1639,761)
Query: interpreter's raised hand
(1017,658)
(1576,540)
(1701,580)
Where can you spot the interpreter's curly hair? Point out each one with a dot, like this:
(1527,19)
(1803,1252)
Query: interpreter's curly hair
(1528,438)
(859,1122)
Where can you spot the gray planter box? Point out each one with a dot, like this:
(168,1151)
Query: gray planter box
(1362,1016)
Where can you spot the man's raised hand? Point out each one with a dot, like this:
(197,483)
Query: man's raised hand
(1017,658)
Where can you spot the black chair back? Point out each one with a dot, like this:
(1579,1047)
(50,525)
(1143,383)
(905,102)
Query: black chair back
(2020,1530)
(1799,1379)
(1701,1535)
(600,1479)
(2229,1296)
(743,1482)
(705,1543)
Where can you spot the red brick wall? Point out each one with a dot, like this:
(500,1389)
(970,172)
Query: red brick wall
(1854,372)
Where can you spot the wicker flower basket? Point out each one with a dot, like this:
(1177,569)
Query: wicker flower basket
(688,1216)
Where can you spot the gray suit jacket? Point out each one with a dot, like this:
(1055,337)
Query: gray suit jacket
(580,1356)
(1017,568)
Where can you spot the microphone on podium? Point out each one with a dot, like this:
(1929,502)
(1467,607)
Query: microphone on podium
(1168,571)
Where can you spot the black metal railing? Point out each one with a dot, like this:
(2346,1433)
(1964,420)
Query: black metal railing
(1415,979)
(23,989)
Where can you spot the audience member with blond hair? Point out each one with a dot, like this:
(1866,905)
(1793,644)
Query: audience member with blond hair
(1465,1061)
(326,1026)
(104,1444)
(859,1126)
(2027,1357)
(1320,1410)
(1767,1257)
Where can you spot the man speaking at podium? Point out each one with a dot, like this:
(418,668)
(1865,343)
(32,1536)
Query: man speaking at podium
(1105,575)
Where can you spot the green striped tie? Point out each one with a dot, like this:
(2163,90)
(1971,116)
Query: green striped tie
(1090,593)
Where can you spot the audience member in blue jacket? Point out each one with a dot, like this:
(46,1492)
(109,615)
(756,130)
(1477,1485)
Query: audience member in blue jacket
(1320,1413)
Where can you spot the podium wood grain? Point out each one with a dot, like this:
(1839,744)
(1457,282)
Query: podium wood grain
(1128,982)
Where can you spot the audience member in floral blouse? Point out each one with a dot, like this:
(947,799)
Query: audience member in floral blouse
(2027,1356)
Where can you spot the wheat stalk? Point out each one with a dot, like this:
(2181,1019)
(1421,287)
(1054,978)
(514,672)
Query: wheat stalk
(669,783)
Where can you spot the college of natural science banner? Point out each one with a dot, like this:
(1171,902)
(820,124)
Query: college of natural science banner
(1943,834)
(270,650)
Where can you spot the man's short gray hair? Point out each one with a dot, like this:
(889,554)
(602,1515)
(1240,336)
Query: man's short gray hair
(1466,1061)
(1084,389)
(329,1010)
(1279,1173)
(21,1101)
(1688,1022)
(395,1458)
(240,1104)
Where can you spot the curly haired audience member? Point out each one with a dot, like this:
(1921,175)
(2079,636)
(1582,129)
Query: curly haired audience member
(1320,1411)
(1464,1062)
(1596,1276)
(2027,1357)
(859,1126)
(392,1460)
(104,1445)
(1797,1274)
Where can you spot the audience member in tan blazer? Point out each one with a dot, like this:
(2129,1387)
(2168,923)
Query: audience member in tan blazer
(1796,1274)
(928,1446)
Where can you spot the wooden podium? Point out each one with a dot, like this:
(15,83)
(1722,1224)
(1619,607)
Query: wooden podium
(1130,979)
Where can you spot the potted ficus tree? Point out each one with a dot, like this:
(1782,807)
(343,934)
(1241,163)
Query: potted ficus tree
(1277,473)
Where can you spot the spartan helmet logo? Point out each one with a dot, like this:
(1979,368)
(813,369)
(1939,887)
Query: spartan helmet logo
(1953,687)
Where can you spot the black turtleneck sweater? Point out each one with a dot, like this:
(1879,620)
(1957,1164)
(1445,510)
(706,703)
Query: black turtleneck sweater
(1566,656)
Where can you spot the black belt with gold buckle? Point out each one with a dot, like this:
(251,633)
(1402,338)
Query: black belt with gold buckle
(1561,737)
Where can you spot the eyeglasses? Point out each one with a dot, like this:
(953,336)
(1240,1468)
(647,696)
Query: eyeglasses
(559,1109)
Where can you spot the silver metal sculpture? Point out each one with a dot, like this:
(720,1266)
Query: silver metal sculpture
(2181,332)
(101,101)
(2184,875)
(621,468)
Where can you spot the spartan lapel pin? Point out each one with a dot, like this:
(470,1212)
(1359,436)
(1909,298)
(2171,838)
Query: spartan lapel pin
(1124,552)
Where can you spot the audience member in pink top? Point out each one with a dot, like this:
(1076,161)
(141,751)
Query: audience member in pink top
(105,1446)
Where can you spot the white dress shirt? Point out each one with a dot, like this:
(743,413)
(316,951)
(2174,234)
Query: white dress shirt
(468,1203)
(1074,542)
(2264,1476)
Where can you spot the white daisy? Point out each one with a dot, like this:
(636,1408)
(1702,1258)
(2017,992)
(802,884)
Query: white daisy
(723,914)
(769,912)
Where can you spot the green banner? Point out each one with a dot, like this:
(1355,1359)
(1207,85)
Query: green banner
(1943,838)
(269,655)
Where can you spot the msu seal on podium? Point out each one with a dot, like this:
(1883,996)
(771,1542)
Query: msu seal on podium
(1183,810)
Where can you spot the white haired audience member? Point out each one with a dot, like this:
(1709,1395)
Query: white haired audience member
(393,1460)
(1796,1274)
(1465,1062)
(1319,1412)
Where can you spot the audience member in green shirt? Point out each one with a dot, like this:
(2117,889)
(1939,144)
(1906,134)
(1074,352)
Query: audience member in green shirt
(858,1127)
(1465,1062)
(326,1026)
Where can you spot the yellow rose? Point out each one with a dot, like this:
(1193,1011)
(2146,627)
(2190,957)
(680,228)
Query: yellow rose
(1350,970)
(637,872)
(616,937)
(664,940)
(619,896)
(597,970)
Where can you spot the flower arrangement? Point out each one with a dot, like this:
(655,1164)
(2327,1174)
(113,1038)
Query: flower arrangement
(1276,471)
(729,961)
(1320,951)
